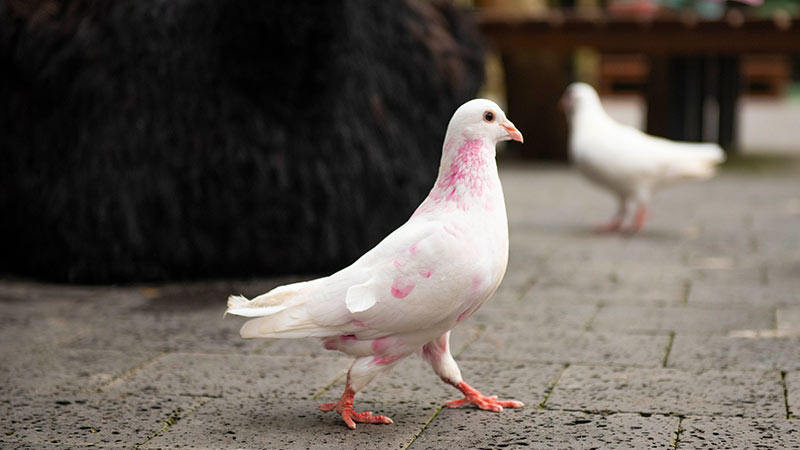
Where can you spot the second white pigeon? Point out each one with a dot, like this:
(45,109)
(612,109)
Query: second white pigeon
(626,161)
(406,294)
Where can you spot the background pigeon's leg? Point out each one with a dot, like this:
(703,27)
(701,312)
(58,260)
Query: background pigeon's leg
(638,218)
(616,222)
(360,374)
(642,200)
(437,353)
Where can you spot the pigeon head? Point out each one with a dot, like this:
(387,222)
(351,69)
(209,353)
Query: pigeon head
(578,96)
(481,118)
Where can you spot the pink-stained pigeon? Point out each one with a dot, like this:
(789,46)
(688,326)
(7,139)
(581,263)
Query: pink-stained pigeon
(629,163)
(407,293)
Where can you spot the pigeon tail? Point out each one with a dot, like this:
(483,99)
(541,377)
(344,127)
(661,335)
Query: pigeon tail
(693,161)
(279,313)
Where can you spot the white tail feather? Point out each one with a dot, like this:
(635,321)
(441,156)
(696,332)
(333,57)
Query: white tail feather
(279,313)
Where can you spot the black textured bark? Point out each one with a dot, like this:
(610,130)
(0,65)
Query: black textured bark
(150,140)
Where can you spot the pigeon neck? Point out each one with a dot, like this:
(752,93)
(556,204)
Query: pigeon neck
(467,175)
(591,112)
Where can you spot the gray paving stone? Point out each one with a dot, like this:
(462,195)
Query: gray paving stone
(533,428)
(793,393)
(773,294)
(687,320)
(190,331)
(711,392)
(734,432)
(90,419)
(196,374)
(519,342)
(715,352)
(789,320)
(63,371)
(609,287)
(537,315)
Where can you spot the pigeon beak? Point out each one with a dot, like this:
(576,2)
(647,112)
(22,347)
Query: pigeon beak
(513,132)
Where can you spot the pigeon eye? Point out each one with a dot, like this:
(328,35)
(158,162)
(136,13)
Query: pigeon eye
(488,116)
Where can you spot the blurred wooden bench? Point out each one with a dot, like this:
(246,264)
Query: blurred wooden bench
(684,52)
(762,75)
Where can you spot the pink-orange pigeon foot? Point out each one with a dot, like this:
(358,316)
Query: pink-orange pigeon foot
(609,227)
(474,397)
(638,221)
(345,407)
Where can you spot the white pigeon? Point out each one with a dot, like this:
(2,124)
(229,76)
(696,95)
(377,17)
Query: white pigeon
(407,293)
(626,161)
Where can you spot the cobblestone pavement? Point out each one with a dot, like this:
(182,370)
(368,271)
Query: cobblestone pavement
(685,336)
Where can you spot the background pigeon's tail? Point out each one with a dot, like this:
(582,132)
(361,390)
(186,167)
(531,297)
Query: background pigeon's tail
(694,161)
(279,312)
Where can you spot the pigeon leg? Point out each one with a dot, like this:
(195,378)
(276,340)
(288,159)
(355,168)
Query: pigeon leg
(437,353)
(361,373)
(638,220)
(616,222)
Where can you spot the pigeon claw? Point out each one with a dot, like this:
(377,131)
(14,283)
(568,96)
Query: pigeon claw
(486,403)
(345,408)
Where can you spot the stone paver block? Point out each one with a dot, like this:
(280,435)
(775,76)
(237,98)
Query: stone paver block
(715,352)
(687,320)
(712,392)
(537,429)
(793,393)
(733,432)
(537,315)
(789,320)
(280,423)
(84,419)
(233,375)
(522,343)
(62,371)
(608,291)
(190,331)
(754,294)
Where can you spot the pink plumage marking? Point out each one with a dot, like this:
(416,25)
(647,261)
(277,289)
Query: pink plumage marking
(333,343)
(385,359)
(426,273)
(402,287)
(464,169)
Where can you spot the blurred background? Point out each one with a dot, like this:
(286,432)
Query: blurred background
(148,141)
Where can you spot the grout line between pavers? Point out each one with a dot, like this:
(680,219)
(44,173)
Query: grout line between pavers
(785,395)
(328,386)
(687,289)
(677,435)
(669,348)
(527,285)
(174,418)
(129,373)
(775,318)
(481,328)
(424,426)
(588,325)
(260,348)
(551,387)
